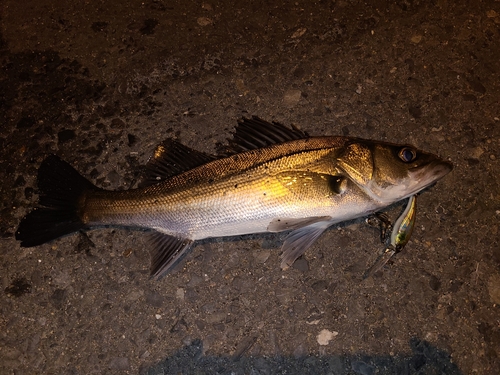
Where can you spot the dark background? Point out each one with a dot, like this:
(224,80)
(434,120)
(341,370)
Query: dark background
(100,83)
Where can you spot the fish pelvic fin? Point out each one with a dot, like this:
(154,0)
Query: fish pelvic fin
(299,240)
(166,252)
(60,188)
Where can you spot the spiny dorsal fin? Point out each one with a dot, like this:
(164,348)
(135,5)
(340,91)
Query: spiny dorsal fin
(256,133)
(171,158)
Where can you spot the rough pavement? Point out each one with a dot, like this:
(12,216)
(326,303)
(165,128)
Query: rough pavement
(101,83)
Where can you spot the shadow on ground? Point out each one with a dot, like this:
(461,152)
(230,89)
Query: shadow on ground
(424,359)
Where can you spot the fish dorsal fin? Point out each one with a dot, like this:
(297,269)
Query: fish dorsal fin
(166,251)
(254,133)
(298,241)
(171,158)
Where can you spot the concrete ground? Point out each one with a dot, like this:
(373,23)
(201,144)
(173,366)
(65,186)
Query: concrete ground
(100,83)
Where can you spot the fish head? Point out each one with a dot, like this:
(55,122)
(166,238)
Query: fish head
(388,172)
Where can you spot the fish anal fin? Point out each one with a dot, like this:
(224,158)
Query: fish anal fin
(298,241)
(254,133)
(171,158)
(282,224)
(166,251)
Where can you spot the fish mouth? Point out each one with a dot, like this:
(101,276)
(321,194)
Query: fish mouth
(426,175)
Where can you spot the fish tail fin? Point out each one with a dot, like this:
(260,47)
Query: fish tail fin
(60,188)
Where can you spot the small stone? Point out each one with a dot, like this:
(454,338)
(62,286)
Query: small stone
(261,256)
(299,32)
(434,283)
(494,288)
(207,7)
(113,177)
(11,353)
(301,264)
(240,85)
(179,293)
(416,39)
(216,317)
(320,286)
(204,21)
(195,280)
(119,363)
(208,308)
(300,351)
(292,97)
(415,111)
(491,14)
(154,299)
(325,336)
(476,152)
(58,298)
(476,85)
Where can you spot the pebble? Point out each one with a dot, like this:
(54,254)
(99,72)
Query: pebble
(195,280)
(119,363)
(325,336)
(204,21)
(207,7)
(476,152)
(299,32)
(154,299)
(58,298)
(416,39)
(494,288)
(491,14)
(261,256)
(301,264)
(179,293)
(291,97)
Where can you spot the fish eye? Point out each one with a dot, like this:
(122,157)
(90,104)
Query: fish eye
(407,154)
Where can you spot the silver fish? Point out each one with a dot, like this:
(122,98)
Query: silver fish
(270,179)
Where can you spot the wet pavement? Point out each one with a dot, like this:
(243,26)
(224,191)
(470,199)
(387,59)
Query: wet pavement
(101,83)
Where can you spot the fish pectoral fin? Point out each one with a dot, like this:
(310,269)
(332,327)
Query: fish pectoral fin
(171,158)
(282,224)
(299,241)
(166,251)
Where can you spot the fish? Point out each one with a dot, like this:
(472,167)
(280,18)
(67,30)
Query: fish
(268,178)
(401,232)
